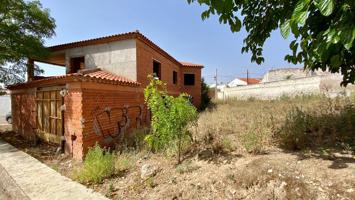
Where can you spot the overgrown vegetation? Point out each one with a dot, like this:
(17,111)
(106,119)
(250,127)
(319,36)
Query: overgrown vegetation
(98,165)
(304,122)
(332,123)
(170,116)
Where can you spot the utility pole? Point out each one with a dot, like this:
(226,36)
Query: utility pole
(215,89)
(247,77)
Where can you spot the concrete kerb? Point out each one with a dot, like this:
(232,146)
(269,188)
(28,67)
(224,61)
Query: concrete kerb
(24,177)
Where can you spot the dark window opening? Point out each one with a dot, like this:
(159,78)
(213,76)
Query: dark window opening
(174,77)
(76,64)
(189,79)
(156,69)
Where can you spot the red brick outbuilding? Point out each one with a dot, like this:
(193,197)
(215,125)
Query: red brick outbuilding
(100,98)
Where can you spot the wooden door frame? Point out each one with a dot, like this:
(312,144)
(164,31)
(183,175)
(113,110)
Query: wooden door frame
(40,132)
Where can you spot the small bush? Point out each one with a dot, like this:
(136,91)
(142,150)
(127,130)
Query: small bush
(98,165)
(227,144)
(205,98)
(170,116)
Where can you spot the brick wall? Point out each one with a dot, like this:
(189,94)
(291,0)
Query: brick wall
(145,57)
(113,98)
(23,108)
(194,91)
(72,122)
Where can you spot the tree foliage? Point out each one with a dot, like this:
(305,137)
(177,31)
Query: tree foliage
(170,115)
(323,30)
(23,27)
(205,98)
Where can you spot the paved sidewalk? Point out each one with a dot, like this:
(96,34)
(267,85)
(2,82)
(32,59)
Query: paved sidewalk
(27,177)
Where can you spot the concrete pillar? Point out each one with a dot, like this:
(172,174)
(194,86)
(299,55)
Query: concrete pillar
(30,69)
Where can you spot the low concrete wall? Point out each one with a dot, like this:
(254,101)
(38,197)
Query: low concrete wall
(24,177)
(8,187)
(329,84)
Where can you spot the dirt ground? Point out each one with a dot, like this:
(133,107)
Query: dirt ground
(275,175)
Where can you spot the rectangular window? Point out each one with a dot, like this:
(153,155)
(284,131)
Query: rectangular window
(77,64)
(189,79)
(156,69)
(174,77)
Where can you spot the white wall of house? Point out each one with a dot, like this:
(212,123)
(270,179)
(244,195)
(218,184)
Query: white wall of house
(327,84)
(118,57)
(236,82)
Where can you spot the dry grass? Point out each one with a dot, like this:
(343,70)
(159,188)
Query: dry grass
(255,126)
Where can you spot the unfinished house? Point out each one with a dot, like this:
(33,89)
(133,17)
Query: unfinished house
(100,98)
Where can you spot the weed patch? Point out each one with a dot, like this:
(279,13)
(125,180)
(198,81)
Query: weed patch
(328,125)
(124,162)
(98,165)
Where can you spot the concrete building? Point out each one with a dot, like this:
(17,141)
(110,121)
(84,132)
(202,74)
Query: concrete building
(100,99)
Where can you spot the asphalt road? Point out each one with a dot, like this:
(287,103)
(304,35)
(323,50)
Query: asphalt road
(5,107)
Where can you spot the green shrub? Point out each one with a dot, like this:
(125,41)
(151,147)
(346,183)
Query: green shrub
(330,125)
(227,144)
(98,165)
(170,116)
(252,142)
(205,98)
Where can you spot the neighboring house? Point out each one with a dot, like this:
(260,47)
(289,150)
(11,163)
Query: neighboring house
(242,82)
(100,99)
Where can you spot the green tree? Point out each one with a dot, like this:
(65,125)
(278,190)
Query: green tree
(23,25)
(205,98)
(170,116)
(323,30)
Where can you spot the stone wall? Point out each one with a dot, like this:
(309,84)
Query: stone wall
(328,84)
(284,74)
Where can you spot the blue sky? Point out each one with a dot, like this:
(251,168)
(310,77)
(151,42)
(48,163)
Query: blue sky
(174,25)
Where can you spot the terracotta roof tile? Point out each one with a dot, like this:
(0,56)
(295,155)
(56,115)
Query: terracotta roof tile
(96,75)
(188,64)
(250,81)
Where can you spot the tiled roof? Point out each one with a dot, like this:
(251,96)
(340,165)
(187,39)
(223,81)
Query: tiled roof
(96,75)
(188,64)
(250,81)
(95,41)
